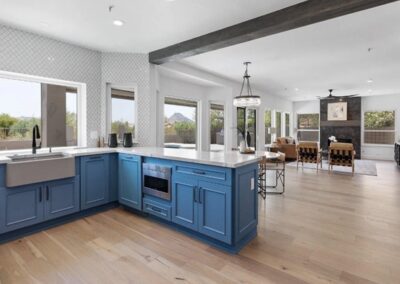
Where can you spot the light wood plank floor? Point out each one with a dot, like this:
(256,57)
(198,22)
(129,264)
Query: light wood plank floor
(325,229)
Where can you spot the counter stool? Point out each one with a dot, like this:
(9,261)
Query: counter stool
(278,166)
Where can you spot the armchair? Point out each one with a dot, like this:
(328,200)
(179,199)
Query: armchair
(341,154)
(309,152)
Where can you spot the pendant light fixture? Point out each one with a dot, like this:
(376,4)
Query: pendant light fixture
(246,100)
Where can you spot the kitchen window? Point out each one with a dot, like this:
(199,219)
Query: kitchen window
(123,112)
(217,127)
(379,127)
(27,103)
(180,123)
(308,127)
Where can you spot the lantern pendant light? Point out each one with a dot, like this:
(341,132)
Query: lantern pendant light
(246,100)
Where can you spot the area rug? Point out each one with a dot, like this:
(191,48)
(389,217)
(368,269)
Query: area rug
(361,167)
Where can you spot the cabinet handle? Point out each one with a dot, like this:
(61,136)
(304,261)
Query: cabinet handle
(199,172)
(156,210)
(47,192)
(95,157)
(40,194)
(195,194)
(200,195)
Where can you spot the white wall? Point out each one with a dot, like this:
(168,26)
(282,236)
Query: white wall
(380,103)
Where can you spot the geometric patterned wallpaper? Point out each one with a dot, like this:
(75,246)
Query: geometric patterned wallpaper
(32,54)
(125,68)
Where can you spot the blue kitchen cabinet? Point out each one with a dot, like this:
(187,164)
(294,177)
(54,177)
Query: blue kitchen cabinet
(215,207)
(20,207)
(94,181)
(31,204)
(130,181)
(184,205)
(62,198)
(202,204)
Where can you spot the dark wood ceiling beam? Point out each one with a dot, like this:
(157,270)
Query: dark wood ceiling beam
(292,17)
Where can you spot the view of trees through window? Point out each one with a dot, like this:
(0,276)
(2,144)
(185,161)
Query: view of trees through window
(246,122)
(216,127)
(278,123)
(268,125)
(379,127)
(308,127)
(287,124)
(22,107)
(180,123)
(122,112)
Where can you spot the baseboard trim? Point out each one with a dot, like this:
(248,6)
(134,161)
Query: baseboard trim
(20,233)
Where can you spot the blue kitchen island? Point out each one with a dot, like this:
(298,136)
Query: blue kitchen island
(210,195)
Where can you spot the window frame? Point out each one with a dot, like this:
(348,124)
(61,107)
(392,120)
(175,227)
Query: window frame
(308,130)
(132,86)
(284,123)
(199,123)
(363,129)
(276,111)
(221,103)
(255,109)
(82,138)
(271,126)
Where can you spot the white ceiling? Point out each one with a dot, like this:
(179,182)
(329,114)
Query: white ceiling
(149,24)
(331,54)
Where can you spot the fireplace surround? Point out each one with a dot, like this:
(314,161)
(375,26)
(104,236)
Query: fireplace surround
(346,131)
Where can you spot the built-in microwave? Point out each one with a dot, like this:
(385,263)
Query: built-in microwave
(157,180)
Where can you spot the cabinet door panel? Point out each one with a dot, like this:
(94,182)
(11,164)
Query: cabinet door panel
(62,198)
(129,183)
(94,181)
(215,207)
(184,208)
(21,207)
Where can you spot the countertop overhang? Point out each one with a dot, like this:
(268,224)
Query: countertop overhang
(229,159)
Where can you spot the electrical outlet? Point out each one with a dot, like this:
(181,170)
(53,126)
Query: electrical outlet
(252,184)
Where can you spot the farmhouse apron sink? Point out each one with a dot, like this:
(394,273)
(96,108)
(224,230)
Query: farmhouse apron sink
(28,169)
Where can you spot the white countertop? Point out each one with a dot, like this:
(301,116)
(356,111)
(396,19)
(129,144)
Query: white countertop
(230,159)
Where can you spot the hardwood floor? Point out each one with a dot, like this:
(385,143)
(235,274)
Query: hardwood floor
(326,228)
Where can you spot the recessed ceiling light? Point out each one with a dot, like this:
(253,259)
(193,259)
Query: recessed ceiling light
(296,89)
(370,81)
(169,0)
(369,91)
(118,23)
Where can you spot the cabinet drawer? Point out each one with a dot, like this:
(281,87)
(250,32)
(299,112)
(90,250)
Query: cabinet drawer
(157,209)
(210,173)
(129,157)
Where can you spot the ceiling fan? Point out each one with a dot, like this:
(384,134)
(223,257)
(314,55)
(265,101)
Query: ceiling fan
(331,97)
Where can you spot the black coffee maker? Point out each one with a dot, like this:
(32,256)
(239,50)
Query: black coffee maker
(127,141)
(112,140)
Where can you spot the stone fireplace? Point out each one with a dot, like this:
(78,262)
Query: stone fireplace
(348,131)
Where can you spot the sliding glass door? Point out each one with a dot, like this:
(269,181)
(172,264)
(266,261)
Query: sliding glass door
(246,125)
